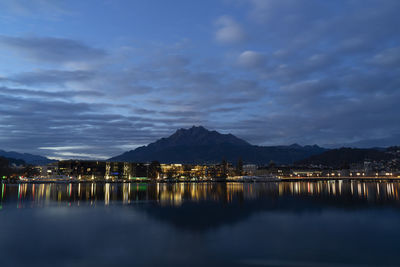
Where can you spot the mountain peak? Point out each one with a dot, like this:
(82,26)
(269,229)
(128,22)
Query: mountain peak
(198,136)
(295,145)
(193,129)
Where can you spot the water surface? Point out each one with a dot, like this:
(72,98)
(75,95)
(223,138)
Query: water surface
(320,223)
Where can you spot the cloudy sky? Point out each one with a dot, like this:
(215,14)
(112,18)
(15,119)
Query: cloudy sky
(91,79)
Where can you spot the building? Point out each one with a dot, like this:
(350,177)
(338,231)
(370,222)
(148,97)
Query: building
(82,169)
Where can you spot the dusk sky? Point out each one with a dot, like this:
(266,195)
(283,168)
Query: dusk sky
(92,79)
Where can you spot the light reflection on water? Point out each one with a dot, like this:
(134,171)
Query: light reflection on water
(39,195)
(324,223)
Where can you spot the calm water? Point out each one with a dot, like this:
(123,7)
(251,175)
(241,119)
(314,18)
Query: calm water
(330,223)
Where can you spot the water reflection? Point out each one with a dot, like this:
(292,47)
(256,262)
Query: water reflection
(175,194)
(325,223)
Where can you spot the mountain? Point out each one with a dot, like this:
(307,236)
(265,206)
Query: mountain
(11,161)
(199,145)
(370,143)
(197,136)
(16,162)
(28,158)
(338,158)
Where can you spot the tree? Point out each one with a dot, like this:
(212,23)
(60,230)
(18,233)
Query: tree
(271,165)
(224,169)
(239,167)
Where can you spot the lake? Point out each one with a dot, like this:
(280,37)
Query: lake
(318,223)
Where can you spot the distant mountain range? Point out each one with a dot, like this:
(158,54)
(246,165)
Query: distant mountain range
(199,145)
(28,158)
(380,143)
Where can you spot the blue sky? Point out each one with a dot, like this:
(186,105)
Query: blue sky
(91,79)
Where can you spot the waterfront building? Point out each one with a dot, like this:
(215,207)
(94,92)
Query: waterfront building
(249,169)
(49,170)
(82,169)
(126,171)
(307,173)
(171,171)
(198,171)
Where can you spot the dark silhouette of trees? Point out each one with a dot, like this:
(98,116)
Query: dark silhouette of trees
(239,167)
(224,169)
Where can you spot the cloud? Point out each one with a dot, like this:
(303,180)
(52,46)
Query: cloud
(46,94)
(74,155)
(61,148)
(251,59)
(50,49)
(287,11)
(37,9)
(229,31)
(389,57)
(52,77)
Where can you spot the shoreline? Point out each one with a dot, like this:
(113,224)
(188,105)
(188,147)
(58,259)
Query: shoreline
(284,179)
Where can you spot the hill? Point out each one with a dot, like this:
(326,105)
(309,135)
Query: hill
(199,145)
(28,158)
